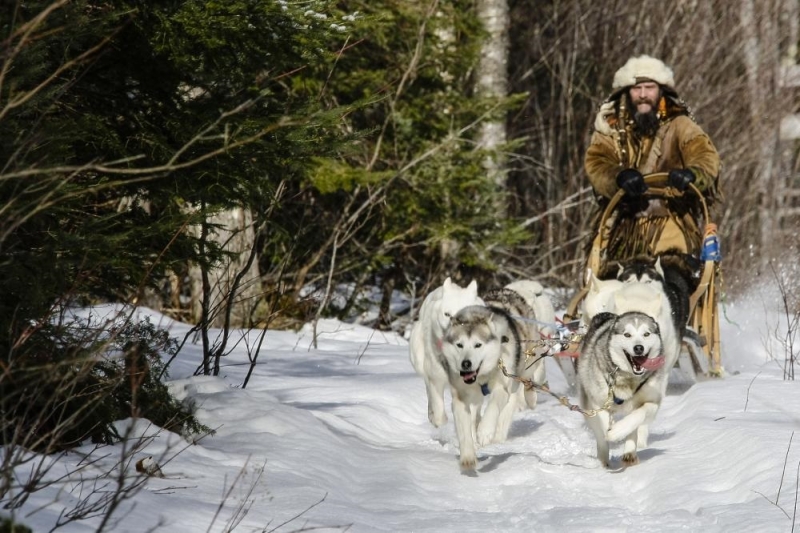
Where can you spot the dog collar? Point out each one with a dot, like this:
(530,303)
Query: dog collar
(485,389)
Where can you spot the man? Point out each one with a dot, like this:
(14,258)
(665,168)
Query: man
(644,128)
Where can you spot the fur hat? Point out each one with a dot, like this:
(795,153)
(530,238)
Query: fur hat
(644,67)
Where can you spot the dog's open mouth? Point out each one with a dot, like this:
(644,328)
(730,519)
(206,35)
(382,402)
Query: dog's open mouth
(642,363)
(470,377)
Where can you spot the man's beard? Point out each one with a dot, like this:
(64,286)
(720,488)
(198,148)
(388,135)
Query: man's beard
(645,124)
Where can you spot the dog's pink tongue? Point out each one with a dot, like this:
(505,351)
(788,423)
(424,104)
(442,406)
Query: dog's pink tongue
(468,377)
(653,363)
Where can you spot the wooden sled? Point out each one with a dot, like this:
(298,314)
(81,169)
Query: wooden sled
(698,357)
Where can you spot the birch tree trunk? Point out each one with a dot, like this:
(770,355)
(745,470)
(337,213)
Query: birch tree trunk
(762,63)
(492,81)
(235,234)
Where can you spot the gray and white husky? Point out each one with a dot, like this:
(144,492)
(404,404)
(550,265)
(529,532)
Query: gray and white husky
(531,315)
(478,340)
(622,372)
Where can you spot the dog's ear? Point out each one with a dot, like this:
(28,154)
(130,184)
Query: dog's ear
(601,318)
(473,287)
(658,267)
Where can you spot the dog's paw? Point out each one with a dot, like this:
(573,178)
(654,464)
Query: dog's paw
(437,419)
(485,436)
(531,398)
(468,463)
(615,435)
(630,459)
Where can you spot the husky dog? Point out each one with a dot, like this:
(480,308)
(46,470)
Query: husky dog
(599,297)
(478,340)
(425,345)
(519,300)
(622,371)
(675,272)
(675,275)
(643,285)
(542,307)
(545,319)
(650,299)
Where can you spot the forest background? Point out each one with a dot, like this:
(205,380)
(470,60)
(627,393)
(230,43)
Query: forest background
(233,164)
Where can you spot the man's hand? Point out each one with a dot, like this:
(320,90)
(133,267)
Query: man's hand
(632,182)
(680,178)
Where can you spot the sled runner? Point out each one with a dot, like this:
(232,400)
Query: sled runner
(700,353)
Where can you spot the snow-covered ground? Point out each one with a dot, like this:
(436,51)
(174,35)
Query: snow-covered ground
(337,438)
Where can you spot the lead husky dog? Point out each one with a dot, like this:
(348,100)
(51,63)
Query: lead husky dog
(478,341)
(622,371)
(425,345)
(643,285)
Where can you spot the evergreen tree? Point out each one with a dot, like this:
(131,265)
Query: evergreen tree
(123,124)
(422,204)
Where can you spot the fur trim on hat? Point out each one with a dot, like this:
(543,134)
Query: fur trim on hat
(641,68)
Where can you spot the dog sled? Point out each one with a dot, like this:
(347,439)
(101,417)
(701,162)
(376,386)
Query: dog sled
(700,353)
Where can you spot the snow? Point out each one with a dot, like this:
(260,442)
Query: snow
(336,437)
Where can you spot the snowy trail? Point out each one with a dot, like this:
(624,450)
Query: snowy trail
(342,435)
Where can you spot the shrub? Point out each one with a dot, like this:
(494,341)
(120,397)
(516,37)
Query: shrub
(70,381)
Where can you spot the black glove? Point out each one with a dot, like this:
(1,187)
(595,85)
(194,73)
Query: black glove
(680,178)
(632,182)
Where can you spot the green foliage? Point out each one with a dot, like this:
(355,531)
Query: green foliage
(361,115)
(7,525)
(155,88)
(419,181)
(332,175)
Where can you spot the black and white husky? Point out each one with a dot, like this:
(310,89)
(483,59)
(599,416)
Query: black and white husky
(622,372)
(673,274)
(480,342)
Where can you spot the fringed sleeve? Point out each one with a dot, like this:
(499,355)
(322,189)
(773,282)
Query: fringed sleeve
(700,155)
(602,165)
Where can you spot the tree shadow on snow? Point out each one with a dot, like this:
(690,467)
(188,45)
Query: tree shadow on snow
(494,461)
(676,387)
(658,437)
(523,428)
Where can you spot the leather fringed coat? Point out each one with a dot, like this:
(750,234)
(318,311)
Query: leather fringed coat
(649,226)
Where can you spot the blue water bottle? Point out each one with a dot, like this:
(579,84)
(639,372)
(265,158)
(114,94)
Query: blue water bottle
(711,246)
